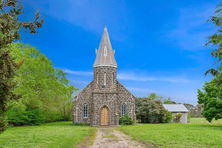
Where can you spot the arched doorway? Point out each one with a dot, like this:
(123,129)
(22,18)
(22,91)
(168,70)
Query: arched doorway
(104,116)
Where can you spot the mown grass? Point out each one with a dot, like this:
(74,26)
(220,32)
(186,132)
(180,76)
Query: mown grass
(176,134)
(203,120)
(58,134)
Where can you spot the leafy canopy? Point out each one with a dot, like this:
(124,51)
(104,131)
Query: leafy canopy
(44,90)
(9,32)
(211,96)
(151,111)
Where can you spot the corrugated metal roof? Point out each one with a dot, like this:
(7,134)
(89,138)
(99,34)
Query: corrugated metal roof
(175,107)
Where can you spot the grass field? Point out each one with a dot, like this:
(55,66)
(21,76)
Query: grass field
(176,134)
(203,120)
(58,134)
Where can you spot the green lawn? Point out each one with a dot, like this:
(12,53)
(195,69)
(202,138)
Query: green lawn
(176,134)
(203,120)
(58,134)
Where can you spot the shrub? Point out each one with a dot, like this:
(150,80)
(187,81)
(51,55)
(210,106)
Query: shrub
(17,117)
(3,123)
(52,116)
(169,117)
(25,117)
(125,120)
(189,115)
(35,116)
(150,111)
(81,124)
(177,117)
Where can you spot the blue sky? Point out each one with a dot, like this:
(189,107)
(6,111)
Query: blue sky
(159,44)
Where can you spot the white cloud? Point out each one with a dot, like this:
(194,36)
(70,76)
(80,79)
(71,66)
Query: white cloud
(135,76)
(90,15)
(142,90)
(177,97)
(78,82)
(80,73)
(192,28)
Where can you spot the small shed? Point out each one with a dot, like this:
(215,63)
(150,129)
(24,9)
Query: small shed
(177,108)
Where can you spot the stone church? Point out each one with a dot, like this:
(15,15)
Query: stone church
(104,98)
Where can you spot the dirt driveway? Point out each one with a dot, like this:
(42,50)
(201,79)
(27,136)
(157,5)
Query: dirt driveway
(108,137)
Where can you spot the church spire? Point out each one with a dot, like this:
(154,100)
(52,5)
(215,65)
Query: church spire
(105,53)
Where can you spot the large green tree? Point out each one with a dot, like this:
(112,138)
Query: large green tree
(211,96)
(40,86)
(151,111)
(216,40)
(10,25)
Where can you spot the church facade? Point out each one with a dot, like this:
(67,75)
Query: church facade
(104,98)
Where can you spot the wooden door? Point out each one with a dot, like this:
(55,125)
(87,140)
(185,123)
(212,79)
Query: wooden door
(104,116)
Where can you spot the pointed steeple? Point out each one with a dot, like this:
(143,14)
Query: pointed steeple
(105,53)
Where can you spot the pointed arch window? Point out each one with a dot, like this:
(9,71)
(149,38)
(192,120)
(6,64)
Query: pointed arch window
(104,78)
(105,51)
(123,109)
(96,77)
(85,109)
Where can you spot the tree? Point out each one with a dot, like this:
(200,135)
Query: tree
(189,106)
(9,32)
(211,96)
(67,103)
(150,111)
(38,80)
(216,39)
(154,96)
(168,101)
(41,87)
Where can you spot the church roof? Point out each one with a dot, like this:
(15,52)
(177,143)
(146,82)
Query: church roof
(105,53)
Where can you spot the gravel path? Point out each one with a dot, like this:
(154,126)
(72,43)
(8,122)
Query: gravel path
(108,137)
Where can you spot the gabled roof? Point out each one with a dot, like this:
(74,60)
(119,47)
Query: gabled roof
(175,107)
(105,53)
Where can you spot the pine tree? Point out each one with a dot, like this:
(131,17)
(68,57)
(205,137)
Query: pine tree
(9,32)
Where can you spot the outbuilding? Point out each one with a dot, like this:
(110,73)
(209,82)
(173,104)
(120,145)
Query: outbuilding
(177,108)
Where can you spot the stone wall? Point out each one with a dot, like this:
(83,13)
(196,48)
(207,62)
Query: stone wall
(104,100)
(125,97)
(110,78)
(83,97)
(97,95)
